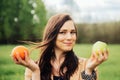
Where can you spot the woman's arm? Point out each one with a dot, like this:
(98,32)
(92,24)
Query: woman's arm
(28,74)
(36,75)
(31,66)
(91,64)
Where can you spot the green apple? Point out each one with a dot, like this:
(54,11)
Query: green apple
(99,46)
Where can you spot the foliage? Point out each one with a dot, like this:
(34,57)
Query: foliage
(108,32)
(21,20)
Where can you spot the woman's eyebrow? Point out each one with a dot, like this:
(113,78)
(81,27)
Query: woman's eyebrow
(67,30)
(63,30)
(73,30)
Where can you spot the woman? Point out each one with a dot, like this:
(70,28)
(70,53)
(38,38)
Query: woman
(58,60)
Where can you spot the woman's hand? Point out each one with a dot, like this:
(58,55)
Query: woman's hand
(95,60)
(27,62)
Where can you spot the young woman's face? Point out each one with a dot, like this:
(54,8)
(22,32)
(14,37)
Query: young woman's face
(66,37)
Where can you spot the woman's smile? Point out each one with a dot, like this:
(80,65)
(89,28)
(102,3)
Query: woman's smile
(68,43)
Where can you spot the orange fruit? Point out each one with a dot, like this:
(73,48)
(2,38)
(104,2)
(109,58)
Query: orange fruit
(19,50)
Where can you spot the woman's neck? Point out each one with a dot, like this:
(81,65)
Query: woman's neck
(57,62)
(59,54)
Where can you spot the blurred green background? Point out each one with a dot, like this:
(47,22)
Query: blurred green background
(24,20)
(21,20)
(108,70)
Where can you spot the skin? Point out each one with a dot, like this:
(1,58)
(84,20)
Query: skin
(65,41)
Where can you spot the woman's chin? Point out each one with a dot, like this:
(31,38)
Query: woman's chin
(68,49)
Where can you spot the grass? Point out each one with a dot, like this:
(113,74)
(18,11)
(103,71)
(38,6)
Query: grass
(108,70)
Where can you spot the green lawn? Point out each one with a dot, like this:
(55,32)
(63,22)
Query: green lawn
(109,70)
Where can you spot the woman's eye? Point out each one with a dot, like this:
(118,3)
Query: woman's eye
(67,32)
(62,32)
(73,32)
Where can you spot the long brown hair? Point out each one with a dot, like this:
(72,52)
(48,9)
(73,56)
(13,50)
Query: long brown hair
(47,49)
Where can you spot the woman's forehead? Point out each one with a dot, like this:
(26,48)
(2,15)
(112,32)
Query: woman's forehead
(68,25)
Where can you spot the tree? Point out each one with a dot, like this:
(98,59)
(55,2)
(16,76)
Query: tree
(21,20)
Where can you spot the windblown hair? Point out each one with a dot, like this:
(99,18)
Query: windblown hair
(47,49)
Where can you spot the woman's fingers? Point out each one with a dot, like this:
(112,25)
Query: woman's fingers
(14,59)
(20,61)
(26,56)
(99,57)
(103,55)
(106,54)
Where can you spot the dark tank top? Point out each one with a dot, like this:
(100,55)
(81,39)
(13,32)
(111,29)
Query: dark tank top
(57,78)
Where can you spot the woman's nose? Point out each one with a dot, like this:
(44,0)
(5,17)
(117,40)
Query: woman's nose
(68,36)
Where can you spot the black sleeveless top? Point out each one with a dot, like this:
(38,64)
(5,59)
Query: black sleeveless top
(57,78)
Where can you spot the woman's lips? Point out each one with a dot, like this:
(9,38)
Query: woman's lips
(68,43)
